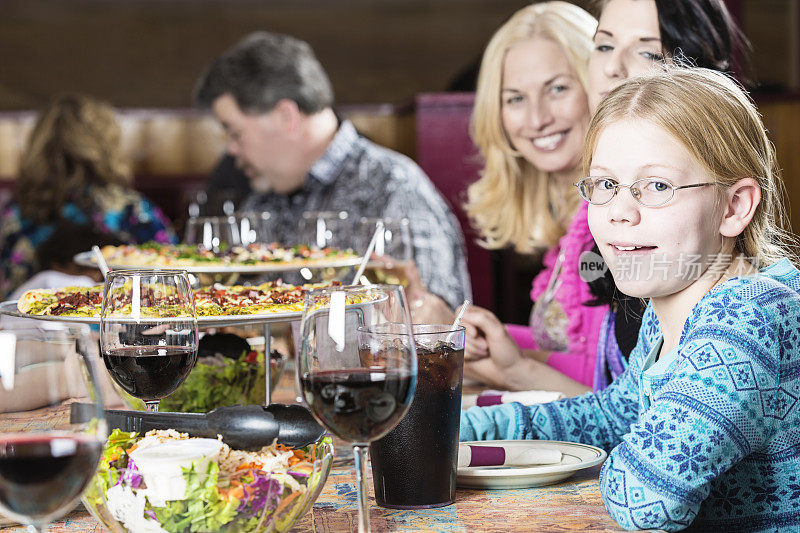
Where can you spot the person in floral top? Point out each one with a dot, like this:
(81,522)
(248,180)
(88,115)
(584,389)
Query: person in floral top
(72,173)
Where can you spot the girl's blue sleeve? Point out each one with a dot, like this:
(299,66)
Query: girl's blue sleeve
(714,409)
(599,419)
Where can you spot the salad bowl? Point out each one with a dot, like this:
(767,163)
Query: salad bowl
(169,482)
(225,381)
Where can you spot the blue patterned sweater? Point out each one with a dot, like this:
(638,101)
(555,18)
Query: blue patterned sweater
(716,442)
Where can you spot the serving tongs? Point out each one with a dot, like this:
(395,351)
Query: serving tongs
(242,427)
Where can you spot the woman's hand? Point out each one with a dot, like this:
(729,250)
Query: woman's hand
(505,365)
(487,337)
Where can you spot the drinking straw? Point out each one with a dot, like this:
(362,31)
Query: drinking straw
(101,261)
(460,313)
(363,265)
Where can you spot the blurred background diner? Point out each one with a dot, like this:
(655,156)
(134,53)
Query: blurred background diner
(392,66)
(72,192)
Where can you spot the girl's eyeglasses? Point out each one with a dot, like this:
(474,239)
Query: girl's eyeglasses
(650,192)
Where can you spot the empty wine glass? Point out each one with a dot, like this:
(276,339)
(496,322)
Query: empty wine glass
(355,392)
(47,456)
(393,245)
(327,229)
(148,331)
(254,227)
(213,233)
(322,229)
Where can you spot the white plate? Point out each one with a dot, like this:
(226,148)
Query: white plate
(575,457)
(87,259)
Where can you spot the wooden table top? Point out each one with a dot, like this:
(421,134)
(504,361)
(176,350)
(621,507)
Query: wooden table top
(571,505)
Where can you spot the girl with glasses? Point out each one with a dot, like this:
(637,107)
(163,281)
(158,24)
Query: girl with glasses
(702,428)
(581,324)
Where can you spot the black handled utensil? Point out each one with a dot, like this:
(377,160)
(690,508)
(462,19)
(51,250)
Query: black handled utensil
(243,427)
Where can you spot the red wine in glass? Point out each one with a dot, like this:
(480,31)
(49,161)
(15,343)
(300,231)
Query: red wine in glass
(358,404)
(150,372)
(148,331)
(357,400)
(43,474)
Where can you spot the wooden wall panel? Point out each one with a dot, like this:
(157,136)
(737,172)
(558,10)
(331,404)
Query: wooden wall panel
(186,142)
(149,53)
(783,122)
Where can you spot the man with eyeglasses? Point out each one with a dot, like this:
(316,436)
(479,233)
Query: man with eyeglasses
(274,100)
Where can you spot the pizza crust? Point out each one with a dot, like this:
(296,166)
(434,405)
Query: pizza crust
(29,299)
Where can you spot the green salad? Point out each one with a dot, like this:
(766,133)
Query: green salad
(217,488)
(221,380)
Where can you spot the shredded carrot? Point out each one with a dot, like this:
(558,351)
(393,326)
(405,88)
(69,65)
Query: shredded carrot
(281,506)
(303,468)
(135,445)
(233,492)
(247,466)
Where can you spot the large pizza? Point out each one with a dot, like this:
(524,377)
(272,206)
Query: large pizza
(190,255)
(216,300)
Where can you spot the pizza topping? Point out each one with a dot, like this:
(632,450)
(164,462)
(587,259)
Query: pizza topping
(217,300)
(186,255)
(60,309)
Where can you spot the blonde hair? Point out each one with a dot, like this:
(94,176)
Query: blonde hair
(514,202)
(718,124)
(75,143)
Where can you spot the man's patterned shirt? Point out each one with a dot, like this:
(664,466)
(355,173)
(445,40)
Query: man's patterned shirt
(367,180)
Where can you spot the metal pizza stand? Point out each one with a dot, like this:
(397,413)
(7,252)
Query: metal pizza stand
(9,308)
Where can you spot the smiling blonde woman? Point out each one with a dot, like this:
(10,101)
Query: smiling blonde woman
(530,116)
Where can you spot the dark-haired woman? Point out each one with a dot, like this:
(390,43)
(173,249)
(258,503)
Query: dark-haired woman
(633,38)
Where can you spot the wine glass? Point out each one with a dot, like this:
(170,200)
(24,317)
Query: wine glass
(213,233)
(48,373)
(148,331)
(322,229)
(255,227)
(393,245)
(357,393)
(327,229)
